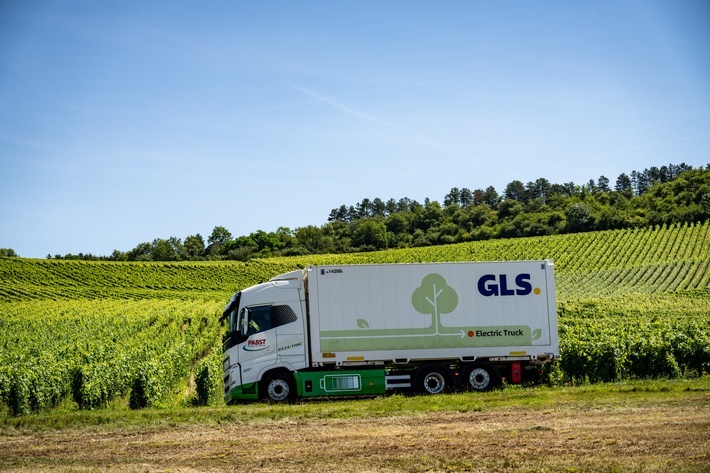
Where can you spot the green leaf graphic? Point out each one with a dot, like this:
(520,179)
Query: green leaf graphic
(362,323)
(434,296)
(537,333)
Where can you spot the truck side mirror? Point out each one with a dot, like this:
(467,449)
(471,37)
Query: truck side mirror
(244,326)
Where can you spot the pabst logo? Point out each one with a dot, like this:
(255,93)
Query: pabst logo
(256,344)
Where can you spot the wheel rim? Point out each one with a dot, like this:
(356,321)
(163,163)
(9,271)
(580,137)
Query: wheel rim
(278,390)
(434,383)
(479,378)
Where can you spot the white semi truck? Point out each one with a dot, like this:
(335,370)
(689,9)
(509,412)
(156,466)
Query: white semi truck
(371,329)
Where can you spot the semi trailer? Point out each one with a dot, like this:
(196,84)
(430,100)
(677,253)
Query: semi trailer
(347,330)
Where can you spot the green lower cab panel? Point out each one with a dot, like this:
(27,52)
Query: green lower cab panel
(340,383)
(247,392)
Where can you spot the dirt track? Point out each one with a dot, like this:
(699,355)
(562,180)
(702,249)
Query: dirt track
(665,438)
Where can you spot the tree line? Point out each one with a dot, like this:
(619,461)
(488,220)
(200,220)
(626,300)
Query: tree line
(655,196)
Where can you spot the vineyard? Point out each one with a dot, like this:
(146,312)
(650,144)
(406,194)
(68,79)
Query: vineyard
(78,334)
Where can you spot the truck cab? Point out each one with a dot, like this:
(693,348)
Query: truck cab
(265,333)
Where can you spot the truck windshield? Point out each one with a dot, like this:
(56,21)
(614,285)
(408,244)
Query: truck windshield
(230,316)
(230,321)
(233,321)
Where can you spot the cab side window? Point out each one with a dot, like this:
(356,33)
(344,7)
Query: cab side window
(259,319)
(267,317)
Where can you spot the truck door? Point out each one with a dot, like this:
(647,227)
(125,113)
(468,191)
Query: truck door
(259,349)
(290,335)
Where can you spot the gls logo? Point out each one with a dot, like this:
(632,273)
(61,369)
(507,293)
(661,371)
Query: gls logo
(492,285)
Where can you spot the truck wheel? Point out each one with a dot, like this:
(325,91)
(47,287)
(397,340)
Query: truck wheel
(278,387)
(434,380)
(480,377)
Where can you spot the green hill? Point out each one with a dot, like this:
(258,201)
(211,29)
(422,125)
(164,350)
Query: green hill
(631,303)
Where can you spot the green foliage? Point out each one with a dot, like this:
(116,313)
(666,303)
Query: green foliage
(143,391)
(371,234)
(610,349)
(632,303)
(673,194)
(579,217)
(96,351)
(667,195)
(203,386)
(25,279)
(208,378)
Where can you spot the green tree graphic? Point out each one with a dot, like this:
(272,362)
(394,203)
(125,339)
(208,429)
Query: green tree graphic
(435,297)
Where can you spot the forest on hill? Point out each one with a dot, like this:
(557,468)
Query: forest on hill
(657,195)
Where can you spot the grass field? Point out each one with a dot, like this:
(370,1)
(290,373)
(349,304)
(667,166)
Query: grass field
(643,426)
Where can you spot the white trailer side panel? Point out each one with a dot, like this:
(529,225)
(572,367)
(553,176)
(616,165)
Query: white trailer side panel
(432,311)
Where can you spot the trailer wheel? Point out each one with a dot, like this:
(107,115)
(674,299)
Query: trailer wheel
(278,387)
(434,380)
(480,377)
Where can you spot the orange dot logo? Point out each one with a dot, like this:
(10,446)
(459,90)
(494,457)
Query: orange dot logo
(536,291)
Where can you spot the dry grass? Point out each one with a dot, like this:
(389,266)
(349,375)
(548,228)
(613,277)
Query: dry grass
(571,430)
(670,435)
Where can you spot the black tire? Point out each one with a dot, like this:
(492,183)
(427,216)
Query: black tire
(480,377)
(434,380)
(278,387)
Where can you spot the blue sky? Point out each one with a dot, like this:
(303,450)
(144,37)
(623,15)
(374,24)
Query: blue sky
(122,122)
